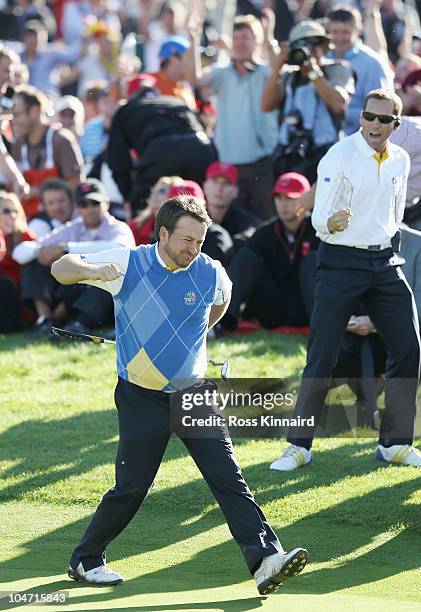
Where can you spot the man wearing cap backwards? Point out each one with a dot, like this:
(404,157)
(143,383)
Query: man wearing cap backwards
(274,287)
(360,201)
(170,79)
(313,94)
(92,231)
(167,296)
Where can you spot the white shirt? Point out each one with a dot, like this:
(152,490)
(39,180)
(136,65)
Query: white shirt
(120,257)
(376,195)
(408,136)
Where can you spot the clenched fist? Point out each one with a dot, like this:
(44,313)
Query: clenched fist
(104,272)
(339,221)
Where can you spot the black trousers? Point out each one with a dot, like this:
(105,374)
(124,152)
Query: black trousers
(9,306)
(96,304)
(146,423)
(255,182)
(185,155)
(264,300)
(345,277)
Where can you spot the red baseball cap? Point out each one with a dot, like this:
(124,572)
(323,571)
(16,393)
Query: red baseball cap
(190,188)
(136,82)
(220,168)
(291,184)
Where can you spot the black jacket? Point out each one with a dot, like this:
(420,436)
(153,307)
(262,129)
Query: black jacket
(139,122)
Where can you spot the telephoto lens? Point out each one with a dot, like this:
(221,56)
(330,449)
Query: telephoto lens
(298,54)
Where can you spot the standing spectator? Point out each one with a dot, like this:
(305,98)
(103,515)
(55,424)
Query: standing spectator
(170,79)
(345,27)
(28,10)
(40,150)
(94,138)
(408,136)
(158,129)
(156,26)
(267,273)
(92,231)
(41,58)
(313,94)
(245,135)
(221,191)
(13,230)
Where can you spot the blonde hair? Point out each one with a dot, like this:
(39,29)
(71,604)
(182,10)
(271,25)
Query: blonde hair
(21,223)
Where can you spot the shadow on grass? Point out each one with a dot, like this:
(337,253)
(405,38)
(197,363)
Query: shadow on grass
(175,515)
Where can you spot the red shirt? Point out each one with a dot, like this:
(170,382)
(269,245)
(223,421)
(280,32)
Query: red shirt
(8,266)
(144,233)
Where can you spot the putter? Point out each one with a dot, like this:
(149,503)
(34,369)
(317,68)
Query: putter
(70,335)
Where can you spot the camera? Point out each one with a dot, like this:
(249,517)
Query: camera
(6,101)
(299,53)
(300,140)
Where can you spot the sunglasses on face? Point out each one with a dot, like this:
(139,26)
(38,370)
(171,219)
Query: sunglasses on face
(382,118)
(9,211)
(87,203)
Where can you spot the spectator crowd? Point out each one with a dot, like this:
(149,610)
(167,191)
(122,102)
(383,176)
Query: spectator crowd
(108,109)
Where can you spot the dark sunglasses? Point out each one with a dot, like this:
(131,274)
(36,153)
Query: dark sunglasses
(9,211)
(87,203)
(382,118)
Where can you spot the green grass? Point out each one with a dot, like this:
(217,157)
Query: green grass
(359,519)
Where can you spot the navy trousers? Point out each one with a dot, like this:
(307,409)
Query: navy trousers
(345,277)
(146,421)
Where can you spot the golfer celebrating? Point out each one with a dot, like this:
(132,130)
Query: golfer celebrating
(166,297)
(360,200)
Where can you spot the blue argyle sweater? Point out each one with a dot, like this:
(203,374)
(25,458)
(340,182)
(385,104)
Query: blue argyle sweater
(162,319)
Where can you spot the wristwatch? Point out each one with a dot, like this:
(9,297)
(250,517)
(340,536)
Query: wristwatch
(315,74)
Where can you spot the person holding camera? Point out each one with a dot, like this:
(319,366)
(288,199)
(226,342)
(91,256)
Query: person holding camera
(313,94)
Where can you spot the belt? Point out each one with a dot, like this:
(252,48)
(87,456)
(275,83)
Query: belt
(375,247)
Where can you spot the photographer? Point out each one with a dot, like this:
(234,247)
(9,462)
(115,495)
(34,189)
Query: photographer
(313,94)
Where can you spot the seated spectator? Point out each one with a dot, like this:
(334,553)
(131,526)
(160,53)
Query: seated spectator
(13,230)
(166,137)
(170,80)
(268,273)
(100,55)
(221,191)
(58,208)
(42,151)
(71,114)
(218,243)
(143,225)
(95,230)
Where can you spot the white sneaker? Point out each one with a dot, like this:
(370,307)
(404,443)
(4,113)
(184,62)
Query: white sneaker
(101,575)
(276,568)
(293,457)
(399,453)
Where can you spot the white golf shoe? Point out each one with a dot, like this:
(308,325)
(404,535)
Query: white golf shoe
(399,453)
(101,575)
(292,458)
(276,568)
